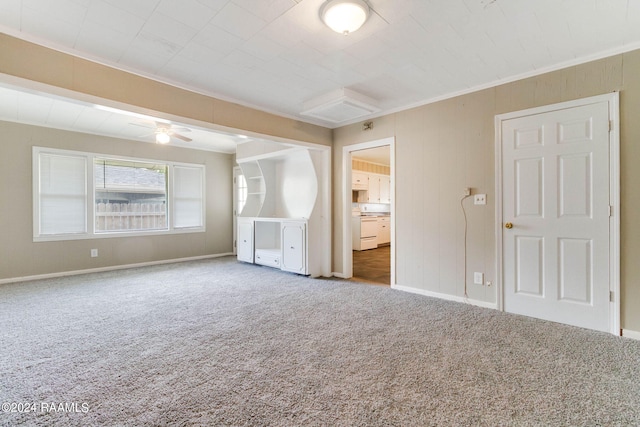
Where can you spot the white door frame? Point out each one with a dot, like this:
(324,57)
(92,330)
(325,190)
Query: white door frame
(613,100)
(347,244)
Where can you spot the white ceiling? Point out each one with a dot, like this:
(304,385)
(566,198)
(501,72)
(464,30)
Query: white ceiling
(36,108)
(276,55)
(379,155)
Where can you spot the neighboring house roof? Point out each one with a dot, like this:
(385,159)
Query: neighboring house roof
(131,179)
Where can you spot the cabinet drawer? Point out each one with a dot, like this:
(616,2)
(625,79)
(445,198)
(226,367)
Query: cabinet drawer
(268,258)
(359,181)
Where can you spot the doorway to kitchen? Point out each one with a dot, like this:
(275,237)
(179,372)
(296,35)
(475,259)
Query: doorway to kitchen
(369,204)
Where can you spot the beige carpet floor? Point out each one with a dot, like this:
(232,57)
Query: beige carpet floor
(219,343)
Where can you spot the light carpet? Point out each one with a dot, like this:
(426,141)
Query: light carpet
(220,343)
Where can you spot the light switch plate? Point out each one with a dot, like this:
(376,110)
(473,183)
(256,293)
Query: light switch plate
(478,278)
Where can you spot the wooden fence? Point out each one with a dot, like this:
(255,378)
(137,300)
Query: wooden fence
(130,216)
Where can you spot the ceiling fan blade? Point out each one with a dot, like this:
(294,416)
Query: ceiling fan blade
(182,137)
(180,129)
(142,125)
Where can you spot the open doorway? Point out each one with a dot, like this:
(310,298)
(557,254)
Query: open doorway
(369,202)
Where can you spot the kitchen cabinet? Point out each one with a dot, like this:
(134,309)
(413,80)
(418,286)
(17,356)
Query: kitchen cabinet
(374,189)
(384,230)
(385,189)
(378,189)
(359,181)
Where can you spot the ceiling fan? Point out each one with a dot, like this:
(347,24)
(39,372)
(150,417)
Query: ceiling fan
(164,132)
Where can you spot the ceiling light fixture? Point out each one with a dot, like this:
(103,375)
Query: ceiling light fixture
(162,136)
(344,16)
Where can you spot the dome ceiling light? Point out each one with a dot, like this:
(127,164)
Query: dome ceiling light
(162,136)
(344,16)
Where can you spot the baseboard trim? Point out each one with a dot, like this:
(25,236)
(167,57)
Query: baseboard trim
(339,275)
(631,334)
(110,268)
(447,297)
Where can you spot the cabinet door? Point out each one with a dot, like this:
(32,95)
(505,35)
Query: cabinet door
(294,247)
(384,231)
(374,188)
(245,241)
(385,189)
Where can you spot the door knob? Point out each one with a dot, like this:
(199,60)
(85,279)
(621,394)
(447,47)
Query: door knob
(508,225)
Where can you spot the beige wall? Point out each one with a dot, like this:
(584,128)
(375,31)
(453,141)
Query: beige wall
(446,146)
(440,148)
(20,256)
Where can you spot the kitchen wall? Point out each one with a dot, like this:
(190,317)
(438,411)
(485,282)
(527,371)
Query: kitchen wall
(361,165)
(21,257)
(442,147)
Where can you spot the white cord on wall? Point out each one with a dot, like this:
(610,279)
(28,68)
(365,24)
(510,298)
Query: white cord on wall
(464,214)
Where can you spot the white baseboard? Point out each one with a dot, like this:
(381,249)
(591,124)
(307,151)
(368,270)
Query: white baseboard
(340,275)
(631,334)
(447,297)
(110,268)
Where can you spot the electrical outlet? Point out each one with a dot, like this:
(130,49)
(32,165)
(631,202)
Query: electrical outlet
(466,191)
(478,278)
(480,199)
(94,253)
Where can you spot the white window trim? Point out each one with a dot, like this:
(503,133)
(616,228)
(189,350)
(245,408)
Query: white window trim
(91,233)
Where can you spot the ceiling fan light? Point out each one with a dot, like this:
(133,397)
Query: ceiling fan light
(162,137)
(344,16)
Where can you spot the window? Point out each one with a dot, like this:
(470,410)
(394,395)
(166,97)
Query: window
(130,195)
(188,206)
(114,197)
(242,193)
(62,195)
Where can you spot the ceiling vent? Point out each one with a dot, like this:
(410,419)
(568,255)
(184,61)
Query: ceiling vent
(340,106)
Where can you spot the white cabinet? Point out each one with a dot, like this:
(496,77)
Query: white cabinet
(374,189)
(359,181)
(274,242)
(385,189)
(286,184)
(378,188)
(384,230)
(268,257)
(245,240)
(294,247)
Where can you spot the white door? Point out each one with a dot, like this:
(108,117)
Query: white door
(293,247)
(555,210)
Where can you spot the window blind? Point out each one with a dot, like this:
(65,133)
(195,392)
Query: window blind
(62,194)
(188,197)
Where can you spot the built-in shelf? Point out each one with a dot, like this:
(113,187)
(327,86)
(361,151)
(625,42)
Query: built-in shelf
(284,221)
